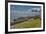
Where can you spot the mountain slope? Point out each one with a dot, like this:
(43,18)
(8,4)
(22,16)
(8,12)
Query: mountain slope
(31,23)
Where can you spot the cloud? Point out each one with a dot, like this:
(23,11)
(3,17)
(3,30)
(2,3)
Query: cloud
(38,9)
(29,9)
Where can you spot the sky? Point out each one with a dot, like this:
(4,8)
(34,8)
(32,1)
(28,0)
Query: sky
(17,11)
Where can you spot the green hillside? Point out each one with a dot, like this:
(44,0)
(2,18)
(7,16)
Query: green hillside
(35,23)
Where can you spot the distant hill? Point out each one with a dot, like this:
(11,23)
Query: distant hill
(35,23)
(22,19)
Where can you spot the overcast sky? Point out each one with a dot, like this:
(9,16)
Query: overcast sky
(17,11)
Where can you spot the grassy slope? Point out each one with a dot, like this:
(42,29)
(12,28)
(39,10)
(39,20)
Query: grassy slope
(29,24)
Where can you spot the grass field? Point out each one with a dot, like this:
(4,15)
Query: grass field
(35,23)
(30,23)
